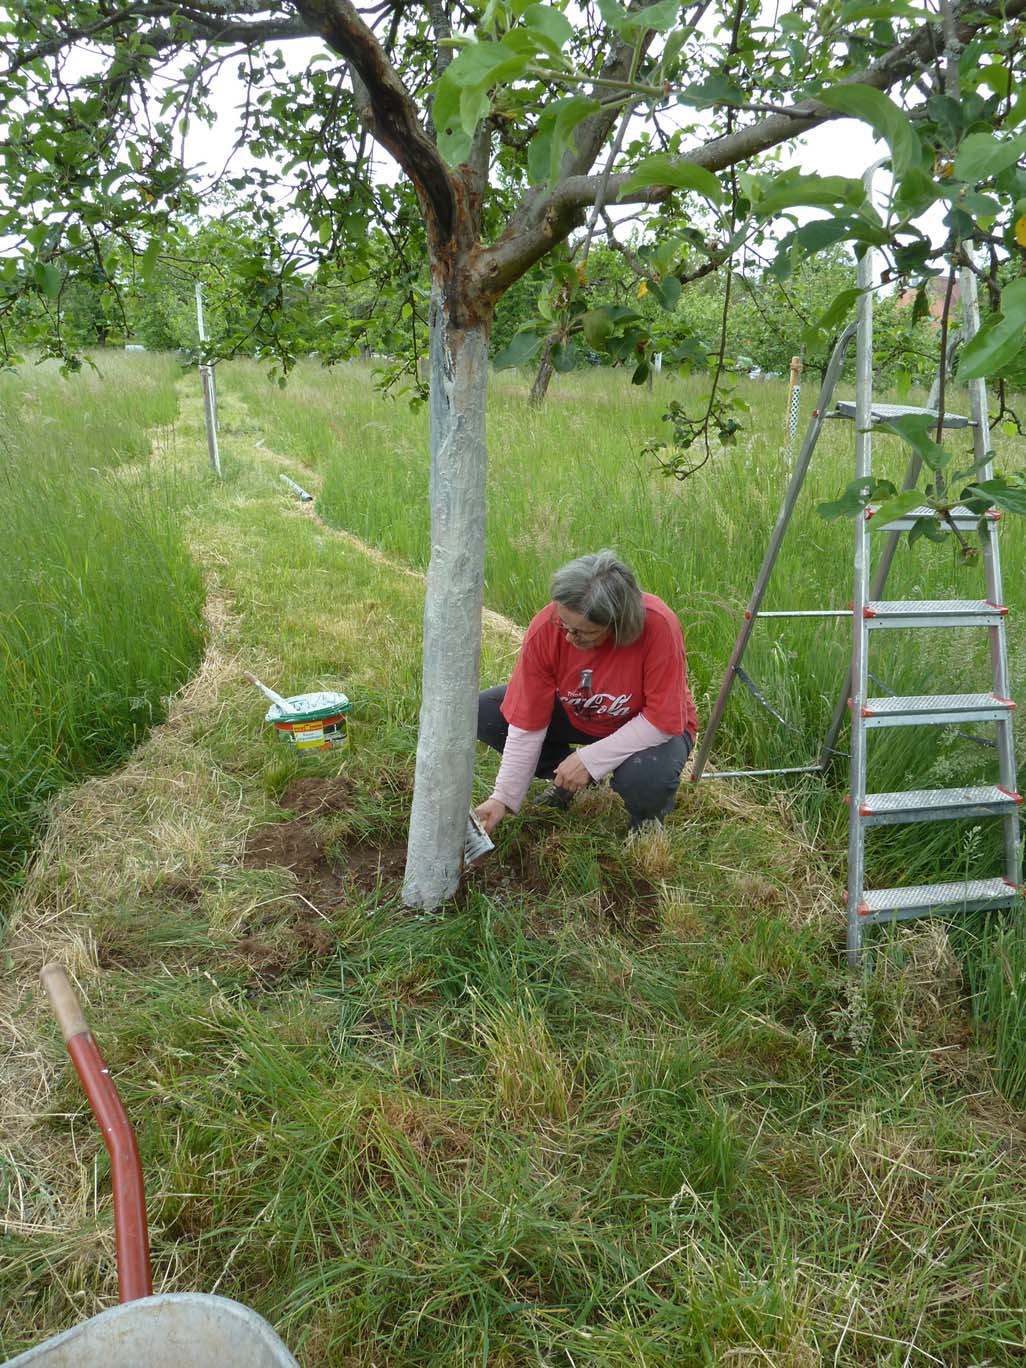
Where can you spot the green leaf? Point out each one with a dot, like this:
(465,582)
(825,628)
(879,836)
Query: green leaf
(553,136)
(820,233)
(666,291)
(917,192)
(893,9)
(564,357)
(521,349)
(48,278)
(550,27)
(1000,339)
(148,262)
(982,155)
(790,188)
(614,15)
(998,491)
(475,105)
(661,16)
(718,89)
(873,107)
(664,169)
(482,65)
(597,325)
(640,374)
(915,429)
(838,310)
(897,507)
(929,528)
(856,495)
(453,141)
(980,206)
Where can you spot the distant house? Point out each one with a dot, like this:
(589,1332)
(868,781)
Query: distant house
(936,293)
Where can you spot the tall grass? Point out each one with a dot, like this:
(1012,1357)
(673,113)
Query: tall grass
(569,477)
(99,602)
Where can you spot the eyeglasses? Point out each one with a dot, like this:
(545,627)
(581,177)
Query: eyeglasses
(579,635)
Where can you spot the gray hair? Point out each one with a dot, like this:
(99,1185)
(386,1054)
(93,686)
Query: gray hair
(605,590)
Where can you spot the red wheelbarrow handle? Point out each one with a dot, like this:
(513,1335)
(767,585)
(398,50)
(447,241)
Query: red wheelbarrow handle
(130,1230)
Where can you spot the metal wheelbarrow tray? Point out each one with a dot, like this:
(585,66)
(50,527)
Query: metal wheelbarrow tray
(172,1330)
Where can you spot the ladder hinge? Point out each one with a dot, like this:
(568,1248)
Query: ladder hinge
(998,608)
(1006,702)
(1015,797)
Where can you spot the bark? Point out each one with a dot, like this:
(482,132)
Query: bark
(452,604)
(541,381)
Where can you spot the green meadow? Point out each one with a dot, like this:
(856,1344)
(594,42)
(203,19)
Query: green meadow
(99,599)
(618,1104)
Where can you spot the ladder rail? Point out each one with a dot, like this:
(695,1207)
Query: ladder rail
(860,597)
(983,454)
(827,388)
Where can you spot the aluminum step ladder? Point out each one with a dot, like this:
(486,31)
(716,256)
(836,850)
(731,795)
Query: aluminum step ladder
(871,612)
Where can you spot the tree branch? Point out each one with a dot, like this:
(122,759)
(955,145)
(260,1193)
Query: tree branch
(390,112)
(215,26)
(545,217)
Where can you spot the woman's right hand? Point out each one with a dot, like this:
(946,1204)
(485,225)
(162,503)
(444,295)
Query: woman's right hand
(490,813)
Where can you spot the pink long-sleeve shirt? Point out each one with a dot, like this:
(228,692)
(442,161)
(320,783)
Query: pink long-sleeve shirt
(522,748)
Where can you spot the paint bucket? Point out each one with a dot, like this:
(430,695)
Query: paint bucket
(313,721)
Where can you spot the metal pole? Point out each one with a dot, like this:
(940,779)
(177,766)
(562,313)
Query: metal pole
(794,402)
(209,390)
(783,518)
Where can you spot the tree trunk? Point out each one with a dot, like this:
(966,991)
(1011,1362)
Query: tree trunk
(541,381)
(452,608)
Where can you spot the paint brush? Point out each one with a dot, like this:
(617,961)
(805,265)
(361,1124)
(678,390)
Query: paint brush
(282,703)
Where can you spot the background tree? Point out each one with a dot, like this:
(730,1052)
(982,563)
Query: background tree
(510,123)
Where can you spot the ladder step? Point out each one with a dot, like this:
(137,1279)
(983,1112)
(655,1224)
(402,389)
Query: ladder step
(885,413)
(935,709)
(970,895)
(963,518)
(933,613)
(933,805)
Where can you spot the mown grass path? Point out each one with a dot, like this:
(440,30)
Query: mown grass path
(613,1106)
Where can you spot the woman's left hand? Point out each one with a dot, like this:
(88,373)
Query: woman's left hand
(571,774)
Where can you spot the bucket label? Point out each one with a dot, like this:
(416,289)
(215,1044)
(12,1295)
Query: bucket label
(329,734)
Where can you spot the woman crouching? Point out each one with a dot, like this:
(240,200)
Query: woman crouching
(599,688)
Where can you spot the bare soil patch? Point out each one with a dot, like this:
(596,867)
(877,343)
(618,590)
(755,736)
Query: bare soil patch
(314,797)
(326,876)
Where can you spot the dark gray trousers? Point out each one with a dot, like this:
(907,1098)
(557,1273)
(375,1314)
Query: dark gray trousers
(646,781)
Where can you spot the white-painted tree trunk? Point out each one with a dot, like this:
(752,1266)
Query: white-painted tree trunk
(452,610)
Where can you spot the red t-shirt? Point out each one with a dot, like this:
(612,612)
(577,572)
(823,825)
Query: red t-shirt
(649,676)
